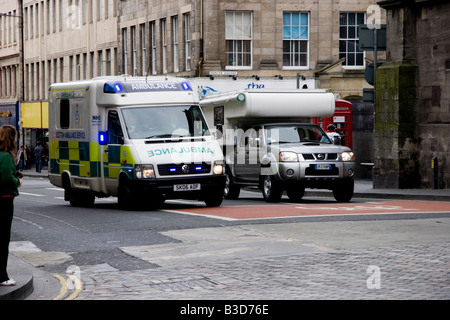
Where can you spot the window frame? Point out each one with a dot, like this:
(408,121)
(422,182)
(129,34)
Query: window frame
(235,41)
(297,42)
(348,39)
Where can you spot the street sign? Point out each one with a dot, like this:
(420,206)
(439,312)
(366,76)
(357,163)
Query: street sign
(223,73)
(369,73)
(367,37)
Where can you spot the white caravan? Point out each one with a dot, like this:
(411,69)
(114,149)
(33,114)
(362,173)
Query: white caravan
(269,142)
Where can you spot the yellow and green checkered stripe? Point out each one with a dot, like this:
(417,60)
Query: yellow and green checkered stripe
(79,158)
(82,159)
(118,158)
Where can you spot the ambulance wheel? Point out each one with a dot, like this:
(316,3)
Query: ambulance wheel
(271,189)
(343,190)
(231,190)
(214,200)
(295,191)
(131,199)
(79,198)
(128,198)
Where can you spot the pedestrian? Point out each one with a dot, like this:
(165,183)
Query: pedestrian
(9,183)
(22,158)
(333,135)
(38,154)
(28,157)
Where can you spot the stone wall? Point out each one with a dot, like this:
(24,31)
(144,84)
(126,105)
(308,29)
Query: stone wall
(413,97)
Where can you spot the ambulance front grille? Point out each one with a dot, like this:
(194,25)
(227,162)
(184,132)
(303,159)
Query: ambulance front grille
(171,169)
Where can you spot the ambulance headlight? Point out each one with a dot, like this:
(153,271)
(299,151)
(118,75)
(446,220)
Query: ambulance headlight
(218,168)
(288,157)
(347,156)
(145,171)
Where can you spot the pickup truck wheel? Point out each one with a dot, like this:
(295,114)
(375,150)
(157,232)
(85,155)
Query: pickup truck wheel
(295,191)
(271,189)
(343,191)
(231,190)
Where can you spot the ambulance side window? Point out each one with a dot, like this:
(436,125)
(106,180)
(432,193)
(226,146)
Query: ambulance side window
(64,113)
(114,128)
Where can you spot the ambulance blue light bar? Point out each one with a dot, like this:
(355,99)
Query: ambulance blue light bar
(146,86)
(186,86)
(113,87)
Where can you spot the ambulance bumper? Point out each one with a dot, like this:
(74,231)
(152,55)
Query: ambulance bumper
(181,188)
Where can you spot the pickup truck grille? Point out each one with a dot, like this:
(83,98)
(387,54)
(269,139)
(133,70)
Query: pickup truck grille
(320,156)
(171,169)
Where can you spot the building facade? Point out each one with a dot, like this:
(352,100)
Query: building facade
(67,40)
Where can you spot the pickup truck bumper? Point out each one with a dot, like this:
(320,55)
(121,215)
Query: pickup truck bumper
(316,174)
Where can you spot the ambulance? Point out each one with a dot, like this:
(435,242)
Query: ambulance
(269,142)
(140,139)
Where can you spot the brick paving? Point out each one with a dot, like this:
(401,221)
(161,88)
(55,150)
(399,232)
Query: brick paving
(410,272)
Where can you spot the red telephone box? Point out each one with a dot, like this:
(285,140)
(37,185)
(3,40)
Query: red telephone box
(342,120)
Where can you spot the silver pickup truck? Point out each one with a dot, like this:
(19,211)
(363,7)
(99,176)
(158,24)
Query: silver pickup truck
(289,157)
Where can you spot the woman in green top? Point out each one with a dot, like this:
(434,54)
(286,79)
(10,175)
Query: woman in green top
(8,190)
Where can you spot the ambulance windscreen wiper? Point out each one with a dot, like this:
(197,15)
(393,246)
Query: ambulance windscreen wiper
(165,135)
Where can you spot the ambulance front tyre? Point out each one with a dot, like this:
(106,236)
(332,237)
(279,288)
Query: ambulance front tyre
(125,195)
(131,199)
(214,199)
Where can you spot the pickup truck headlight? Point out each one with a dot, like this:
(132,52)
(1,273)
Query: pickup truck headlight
(145,171)
(288,157)
(347,156)
(218,168)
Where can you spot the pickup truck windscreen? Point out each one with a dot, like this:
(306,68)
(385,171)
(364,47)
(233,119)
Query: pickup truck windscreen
(164,122)
(296,134)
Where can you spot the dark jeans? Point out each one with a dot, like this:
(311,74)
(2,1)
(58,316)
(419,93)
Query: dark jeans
(38,164)
(6,216)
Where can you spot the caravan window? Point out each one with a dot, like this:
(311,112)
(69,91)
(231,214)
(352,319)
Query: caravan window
(64,114)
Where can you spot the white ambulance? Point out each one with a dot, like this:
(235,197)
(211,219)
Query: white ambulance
(141,139)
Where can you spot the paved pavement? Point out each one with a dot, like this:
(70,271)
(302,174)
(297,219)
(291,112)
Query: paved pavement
(390,259)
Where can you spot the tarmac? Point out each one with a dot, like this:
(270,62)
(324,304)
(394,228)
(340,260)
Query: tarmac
(33,282)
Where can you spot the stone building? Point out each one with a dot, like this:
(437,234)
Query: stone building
(412,124)
(67,40)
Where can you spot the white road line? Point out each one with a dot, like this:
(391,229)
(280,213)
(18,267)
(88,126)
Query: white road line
(32,194)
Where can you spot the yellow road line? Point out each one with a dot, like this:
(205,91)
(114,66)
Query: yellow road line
(64,288)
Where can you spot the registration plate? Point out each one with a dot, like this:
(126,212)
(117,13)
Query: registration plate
(186,187)
(322,166)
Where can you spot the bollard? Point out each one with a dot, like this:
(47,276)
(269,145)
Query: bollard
(434,172)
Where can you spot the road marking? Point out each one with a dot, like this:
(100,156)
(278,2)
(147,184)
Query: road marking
(57,189)
(313,210)
(76,283)
(32,194)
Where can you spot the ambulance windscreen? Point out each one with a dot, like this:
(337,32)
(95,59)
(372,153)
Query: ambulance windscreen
(164,122)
